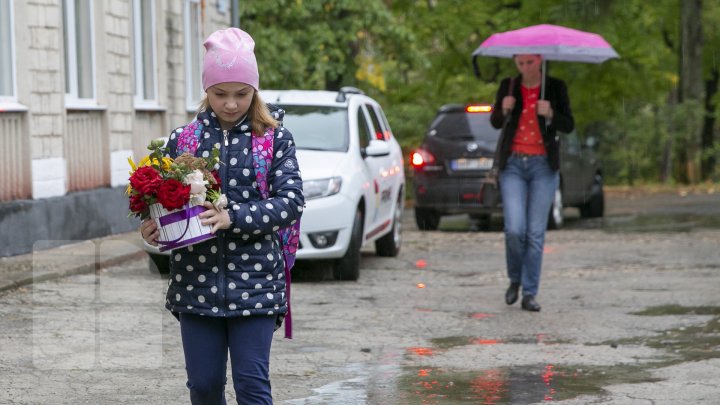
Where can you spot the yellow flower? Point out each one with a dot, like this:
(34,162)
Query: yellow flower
(166,161)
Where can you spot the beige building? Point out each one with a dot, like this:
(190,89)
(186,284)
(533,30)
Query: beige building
(85,84)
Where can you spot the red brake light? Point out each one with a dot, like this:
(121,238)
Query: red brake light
(420,158)
(478,108)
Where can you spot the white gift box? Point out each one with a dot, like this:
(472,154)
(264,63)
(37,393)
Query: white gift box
(180,227)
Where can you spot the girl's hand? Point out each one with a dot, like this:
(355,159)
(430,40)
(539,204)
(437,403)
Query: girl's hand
(217,219)
(149,231)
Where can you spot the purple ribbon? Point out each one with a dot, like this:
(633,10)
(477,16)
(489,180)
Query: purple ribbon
(178,216)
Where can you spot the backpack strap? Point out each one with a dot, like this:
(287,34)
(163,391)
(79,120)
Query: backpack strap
(262,154)
(189,138)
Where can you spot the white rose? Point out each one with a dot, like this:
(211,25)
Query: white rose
(196,181)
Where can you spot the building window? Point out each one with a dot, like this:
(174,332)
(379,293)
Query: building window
(79,50)
(145,51)
(193,54)
(7,51)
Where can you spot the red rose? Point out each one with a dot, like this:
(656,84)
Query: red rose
(216,175)
(172,194)
(137,204)
(145,180)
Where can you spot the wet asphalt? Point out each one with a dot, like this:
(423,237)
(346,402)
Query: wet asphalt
(630,315)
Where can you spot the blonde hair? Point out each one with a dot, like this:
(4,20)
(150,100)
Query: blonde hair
(258,112)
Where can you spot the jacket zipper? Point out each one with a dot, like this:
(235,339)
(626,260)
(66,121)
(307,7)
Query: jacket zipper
(221,241)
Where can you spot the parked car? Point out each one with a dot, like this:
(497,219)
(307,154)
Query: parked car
(353,176)
(457,154)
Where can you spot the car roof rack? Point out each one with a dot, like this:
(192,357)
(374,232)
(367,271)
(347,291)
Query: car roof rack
(344,91)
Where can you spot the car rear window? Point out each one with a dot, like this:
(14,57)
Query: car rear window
(317,127)
(462,125)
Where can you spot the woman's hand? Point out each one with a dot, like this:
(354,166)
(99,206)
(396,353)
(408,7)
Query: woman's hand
(149,231)
(508,103)
(544,109)
(217,219)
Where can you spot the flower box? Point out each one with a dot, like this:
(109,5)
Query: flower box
(181,227)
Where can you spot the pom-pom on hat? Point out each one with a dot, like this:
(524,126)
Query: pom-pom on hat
(230,57)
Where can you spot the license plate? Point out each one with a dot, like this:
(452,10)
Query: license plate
(471,164)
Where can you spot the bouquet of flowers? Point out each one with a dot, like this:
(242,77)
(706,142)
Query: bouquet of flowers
(173,183)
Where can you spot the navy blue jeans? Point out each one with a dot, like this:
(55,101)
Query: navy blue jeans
(206,341)
(528,186)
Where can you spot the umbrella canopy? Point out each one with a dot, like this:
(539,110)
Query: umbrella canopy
(553,42)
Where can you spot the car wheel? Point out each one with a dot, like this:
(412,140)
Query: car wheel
(159,263)
(484,221)
(595,207)
(556,219)
(348,266)
(427,219)
(389,245)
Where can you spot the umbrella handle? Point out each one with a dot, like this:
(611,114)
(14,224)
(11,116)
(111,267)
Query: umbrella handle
(542,79)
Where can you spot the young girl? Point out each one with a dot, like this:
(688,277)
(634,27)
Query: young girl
(229,292)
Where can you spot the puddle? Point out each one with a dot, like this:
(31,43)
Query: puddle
(391,383)
(659,223)
(683,344)
(515,385)
(456,341)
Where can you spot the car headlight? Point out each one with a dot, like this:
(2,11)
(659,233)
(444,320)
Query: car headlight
(321,188)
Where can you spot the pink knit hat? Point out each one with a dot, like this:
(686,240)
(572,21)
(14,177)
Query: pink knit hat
(230,57)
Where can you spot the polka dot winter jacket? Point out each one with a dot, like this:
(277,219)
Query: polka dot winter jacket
(240,272)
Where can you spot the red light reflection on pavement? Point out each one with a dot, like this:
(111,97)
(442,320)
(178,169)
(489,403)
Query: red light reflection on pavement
(547,377)
(421,351)
(549,249)
(420,285)
(486,341)
(480,315)
(489,386)
(421,264)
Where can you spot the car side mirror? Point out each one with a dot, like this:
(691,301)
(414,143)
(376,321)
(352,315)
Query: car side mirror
(376,148)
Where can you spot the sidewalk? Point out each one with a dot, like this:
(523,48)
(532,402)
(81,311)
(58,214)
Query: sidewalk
(74,258)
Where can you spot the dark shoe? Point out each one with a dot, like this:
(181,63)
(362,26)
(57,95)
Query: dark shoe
(529,304)
(511,295)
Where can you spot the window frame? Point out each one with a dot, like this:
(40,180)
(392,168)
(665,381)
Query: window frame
(140,99)
(190,103)
(12,97)
(72,99)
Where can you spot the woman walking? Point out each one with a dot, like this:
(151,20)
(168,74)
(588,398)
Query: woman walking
(529,164)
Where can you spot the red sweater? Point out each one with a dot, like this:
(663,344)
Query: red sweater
(528,138)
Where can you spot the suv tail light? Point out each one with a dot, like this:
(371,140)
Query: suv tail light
(478,108)
(420,158)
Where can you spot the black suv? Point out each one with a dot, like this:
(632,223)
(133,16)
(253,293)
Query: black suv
(457,153)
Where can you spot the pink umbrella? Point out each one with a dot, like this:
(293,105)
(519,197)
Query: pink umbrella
(553,42)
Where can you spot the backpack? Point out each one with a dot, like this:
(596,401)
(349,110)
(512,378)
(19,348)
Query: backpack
(262,154)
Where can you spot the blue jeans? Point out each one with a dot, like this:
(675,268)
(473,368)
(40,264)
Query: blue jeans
(206,341)
(528,187)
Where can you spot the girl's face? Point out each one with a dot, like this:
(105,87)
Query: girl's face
(528,65)
(230,101)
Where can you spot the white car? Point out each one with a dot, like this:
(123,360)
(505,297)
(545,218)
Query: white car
(353,177)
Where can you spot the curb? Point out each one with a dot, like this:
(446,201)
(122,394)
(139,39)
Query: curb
(67,260)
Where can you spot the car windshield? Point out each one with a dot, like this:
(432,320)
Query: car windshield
(462,125)
(317,127)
